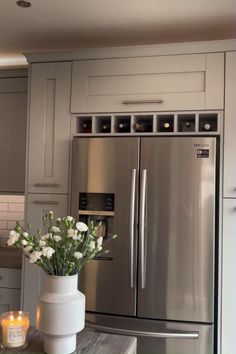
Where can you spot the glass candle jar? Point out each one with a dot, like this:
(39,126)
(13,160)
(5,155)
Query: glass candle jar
(14,328)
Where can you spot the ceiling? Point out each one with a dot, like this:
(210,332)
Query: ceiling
(52,25)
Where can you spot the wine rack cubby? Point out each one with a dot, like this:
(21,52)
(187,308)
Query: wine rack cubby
(177,123)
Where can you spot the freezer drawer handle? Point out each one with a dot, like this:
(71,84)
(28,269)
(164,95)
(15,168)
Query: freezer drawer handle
(131,231)
(184,335)
(142,226)
(159,100)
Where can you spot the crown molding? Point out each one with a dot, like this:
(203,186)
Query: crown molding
(133,51)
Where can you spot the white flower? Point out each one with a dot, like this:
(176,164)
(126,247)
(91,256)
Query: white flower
(35,256)
(58,219)
(92,245)
(81,226)
(56,229)
(42,243)
(69,218)
(27,249)
(44,237)
(48,252)
(13,237)
(99,241)
(73,234)
(24,242)
(25,234)
(78,255)
(57,238)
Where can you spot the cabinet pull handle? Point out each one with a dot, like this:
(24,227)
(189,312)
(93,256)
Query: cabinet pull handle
(132,216)
(142,101)
(142,227)
(46,185)
(45,202)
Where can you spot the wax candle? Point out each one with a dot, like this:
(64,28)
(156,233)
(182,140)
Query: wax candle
(14,326)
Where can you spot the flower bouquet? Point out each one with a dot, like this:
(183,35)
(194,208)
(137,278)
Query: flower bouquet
(62,247)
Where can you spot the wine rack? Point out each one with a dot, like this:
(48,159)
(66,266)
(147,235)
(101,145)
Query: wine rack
(177,123)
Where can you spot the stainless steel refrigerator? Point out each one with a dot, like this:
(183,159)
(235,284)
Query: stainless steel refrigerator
(158,194)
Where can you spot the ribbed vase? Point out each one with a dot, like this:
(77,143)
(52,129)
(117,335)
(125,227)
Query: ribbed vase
(60,314)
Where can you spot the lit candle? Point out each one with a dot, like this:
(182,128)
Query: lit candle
(15,325)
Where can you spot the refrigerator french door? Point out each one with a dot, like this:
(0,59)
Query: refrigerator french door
(157,282)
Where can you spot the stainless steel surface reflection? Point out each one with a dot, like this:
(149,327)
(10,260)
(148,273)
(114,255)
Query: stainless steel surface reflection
(104,165)
(161,271)
(179,233)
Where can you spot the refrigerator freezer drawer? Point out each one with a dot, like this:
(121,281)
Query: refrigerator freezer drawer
(158,337)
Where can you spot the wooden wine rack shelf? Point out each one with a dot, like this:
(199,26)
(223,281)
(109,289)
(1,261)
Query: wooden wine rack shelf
(171,123)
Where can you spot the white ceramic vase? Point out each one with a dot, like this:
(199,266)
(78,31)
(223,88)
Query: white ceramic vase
(60,314)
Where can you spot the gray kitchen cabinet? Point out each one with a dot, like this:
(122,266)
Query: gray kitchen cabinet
(13,113)
(10,293)
(157,83)
(228,310)
(230,127)
(49,128)
(33,278)
(228,277)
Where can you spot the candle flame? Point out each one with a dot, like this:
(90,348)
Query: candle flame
(19,318)
(11,318)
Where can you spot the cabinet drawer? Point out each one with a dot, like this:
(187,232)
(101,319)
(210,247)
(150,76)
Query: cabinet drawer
(174,82)
(10,278)
(9,300)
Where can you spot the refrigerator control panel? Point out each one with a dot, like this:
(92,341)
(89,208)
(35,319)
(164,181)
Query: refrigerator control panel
(97,203)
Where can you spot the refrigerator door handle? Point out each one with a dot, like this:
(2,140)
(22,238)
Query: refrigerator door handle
(142,226)
(179,335)
(132,215)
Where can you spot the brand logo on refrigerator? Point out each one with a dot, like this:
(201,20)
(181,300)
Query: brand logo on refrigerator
(203,153)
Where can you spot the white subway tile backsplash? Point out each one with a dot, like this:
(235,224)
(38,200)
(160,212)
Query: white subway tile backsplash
(12,198)
(4,233)
(11,216)
(16,207)
(11,210)
(11,224)
(3,224)
(4,206)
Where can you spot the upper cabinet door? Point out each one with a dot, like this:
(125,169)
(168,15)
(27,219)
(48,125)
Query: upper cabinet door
(174,82)
(230,127)
(49,128)
(13,112)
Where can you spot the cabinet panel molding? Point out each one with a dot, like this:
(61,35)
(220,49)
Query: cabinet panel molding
(176,82)
(49,128)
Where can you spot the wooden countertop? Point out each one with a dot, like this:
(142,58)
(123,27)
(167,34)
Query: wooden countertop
(87,343)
